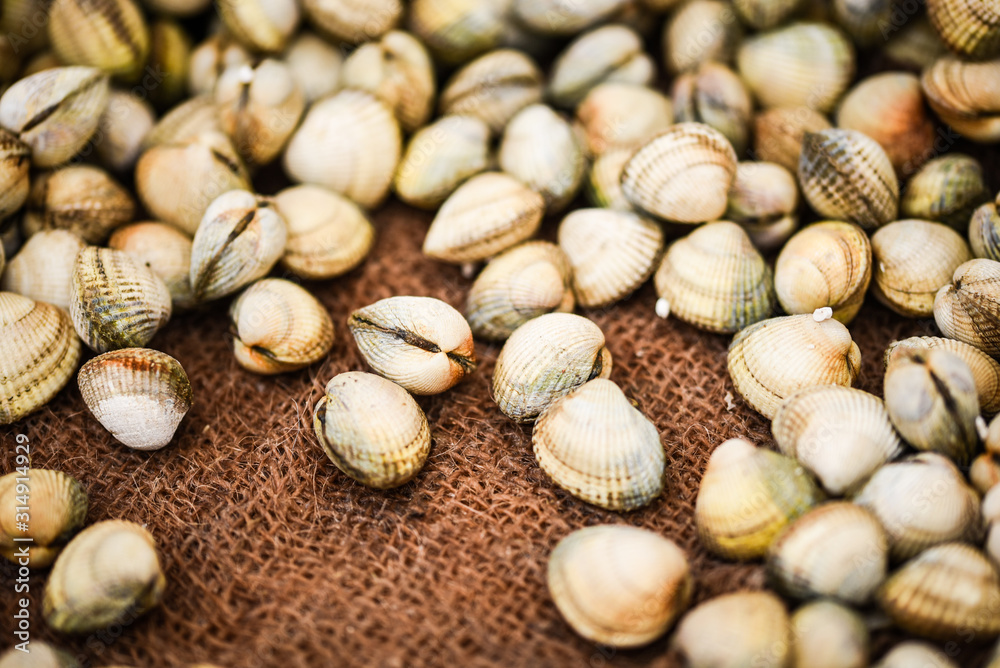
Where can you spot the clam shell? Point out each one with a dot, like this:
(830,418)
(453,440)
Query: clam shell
(622,116)
(137,394)
(838,550)
(315,65)
(947,190)
(420,343)
(38,353)
(279,326)
(556,17)
(739,629)
(261,25)
(59,506)
(350,143)
(372,430)
(43,268)
(15,161)
(764,201)
(683,175)
(41,655)
(116,302)
(839,434)
(611,253)
(590,579)
(487,214)
(209,60)
(521,283)
(984,232)
(765,14)
(603,187)
(439,158)
(82,199)
(917,44)
(164,249)
(109,574)
(458,30)
(912,653)
(778,133)
(700,31)
(944,593)
(826,634)
(544,359)
(985,370)
(715,279)
(714,95)
(969,27)
(188,120)
(111,35)
(969,308)
(984,474)
(609,53)
(122,128)
(594,444)
(493,88)
(353,21)
(826,264)
(913,260)
(964,95)
(747,496)
(772,360)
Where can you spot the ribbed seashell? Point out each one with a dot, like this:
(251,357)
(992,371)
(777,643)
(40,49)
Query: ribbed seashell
(713,94)
(82,199)
(932,401)
(38,353)
(764,201)
(839,434)
(423,344)
(15,161)
(111,36)
(594,444)
(946,190)
(765,14)
(837,549)
(240,239)
(353,21)
(700,31)
(772,360)
(826,264)
(715,279)
(546,358)
(555,17)
(212,57)
(43,268)
(278,326)
(747,496)
(968,309)
(623,116)
(603,187)
(913,260)
(845,175)
(137,394)
(169,58)
(803,64)
(116,301)
(397,70)
(944,593)
(259,108)
(164,249)
(41,655)
(590,579)
(969,27)
(55,112)
(985,370)
(109,574)
(350,143)
(122,129)
(912,653)
(58,503)
(458,30)
(328,234)
(984,232)
(683,175)
(611,253)
(609,53)
(487,214)
(261,25)
(778,134)
(372,429)
(439,158)
(889,107)
(315,65)
(745,628)
(521,283)
(493,88)
(186,121)
(543,151)
(826,634)
(921,501)
(964,96)
(177,181)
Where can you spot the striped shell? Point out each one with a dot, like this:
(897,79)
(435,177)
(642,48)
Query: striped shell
(164,249)
(493,88)
(698,32)
(946,190)
(111,35)
(59,505)
(609,53)
(439,158)
(43,268)
(778,133)
(969,27)
(985,370)
(968,309)
(15,162)
(965,96)
(714,95)
(984,232)
(82,199)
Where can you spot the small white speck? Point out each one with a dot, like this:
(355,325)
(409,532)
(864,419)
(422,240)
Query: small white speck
(730,404)
(469,269)
(881,267)
(640,353)
(981,427)
(821,314)
(246,74)
(811,346)
(662,308)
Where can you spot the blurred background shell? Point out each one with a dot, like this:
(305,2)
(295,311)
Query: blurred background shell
(984,232)
(946,190)
(700,31)
(458,30)
(609,53)
(112,36)
(556,17)
(969,27)
(964,96)
(623,116)
(439,157)
(494,87)
(713,94)
(353,21)
(81,199)
(43,268)
(778,133)
(164,249)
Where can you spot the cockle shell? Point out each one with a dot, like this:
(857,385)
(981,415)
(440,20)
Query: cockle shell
(746,628)
(984,232)
(122,129)
(826,634)
(213,56)
(38,353)
(747,496)
(772,360)
(139,395)
(985,370)
(423,344)
(261,25)
(372,429)
(912,653)
(683,175)
(947,190)
(913,260)
(947,591)
(188,120)
(603,187)
(353,21)
(969,27)
(493,88)
(590,579)
(458,30)
(15,162)
(487,214)
(623,116)
(715,279)
(764,14)
(700,31)
(714,95)
(112,35)
(839,434)
(556,17)
(826,264)
(82,199)
(521,283)
(609,53)
(279,326)
(865,20)
(611,253)
(968,309)
(964,96)
(838,550)
(58,507)
(315,65)
(164,249)
(109,574)
(594,444)
(778,133)
(41,655)
(764,201)
(544,359)
(43,268)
